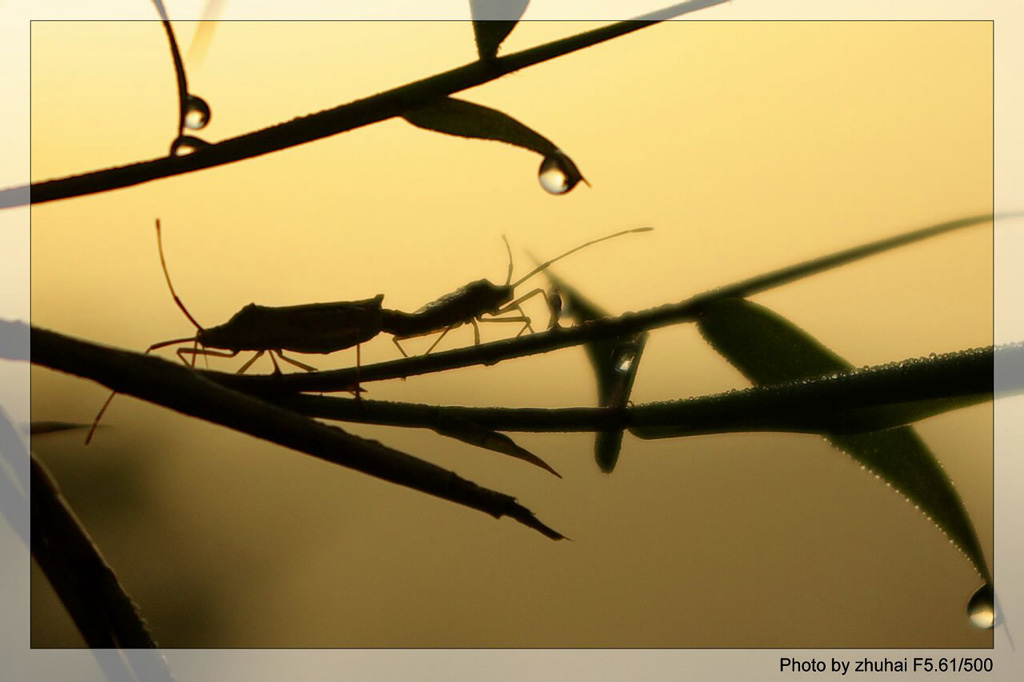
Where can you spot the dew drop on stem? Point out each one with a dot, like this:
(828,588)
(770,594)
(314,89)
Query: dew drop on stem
(558,174)
(981,608)
(186,144)
(197,113)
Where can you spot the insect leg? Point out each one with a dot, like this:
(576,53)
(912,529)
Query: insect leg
(99,415)
(301,365)
(110,398)
(515,305)
(399,346)
(253,359)
(396,339)
(182,352)
(518,318)
(447,329)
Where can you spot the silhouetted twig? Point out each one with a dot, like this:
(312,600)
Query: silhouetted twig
(185,391)
(595,330)
(332,121)
(869,399)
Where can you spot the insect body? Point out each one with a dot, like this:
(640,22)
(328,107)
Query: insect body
(469,304)
(312,328)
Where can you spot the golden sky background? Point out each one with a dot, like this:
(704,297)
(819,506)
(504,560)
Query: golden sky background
(747,146)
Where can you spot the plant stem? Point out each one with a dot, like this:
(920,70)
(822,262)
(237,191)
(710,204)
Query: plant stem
(331,121)
(186,391)
(590,331)
(867,399)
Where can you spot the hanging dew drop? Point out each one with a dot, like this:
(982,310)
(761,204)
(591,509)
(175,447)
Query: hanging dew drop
(981,608)
(186,144)
(624,357)
(558,174)
(197,113)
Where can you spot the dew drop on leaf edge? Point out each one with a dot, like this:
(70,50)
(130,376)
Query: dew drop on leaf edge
(558,174)
(981,608)
(197,113)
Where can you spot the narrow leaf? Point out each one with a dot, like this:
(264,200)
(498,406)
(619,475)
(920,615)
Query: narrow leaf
(493,20)
(615,362)
(184,390)
(460,118)
(42,428)
(465,119)
(104,613)
(768,349)
(471,433)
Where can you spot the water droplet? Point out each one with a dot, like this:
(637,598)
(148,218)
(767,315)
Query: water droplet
(186,144)
(558,174)
(981,609)
(624,357)
(197,113)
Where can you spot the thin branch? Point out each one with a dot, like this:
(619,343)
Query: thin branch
(587,332)
(868,399)
(179,66)
(185,391)
(332,121)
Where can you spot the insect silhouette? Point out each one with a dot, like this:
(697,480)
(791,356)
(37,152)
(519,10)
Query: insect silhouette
(470,303)
(330,327)
(310,328)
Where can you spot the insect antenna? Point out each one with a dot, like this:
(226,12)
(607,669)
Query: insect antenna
(167,276)
(544,265)
(155,346)
(508,248)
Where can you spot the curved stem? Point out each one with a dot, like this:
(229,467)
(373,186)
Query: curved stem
(332,121)
(179,66)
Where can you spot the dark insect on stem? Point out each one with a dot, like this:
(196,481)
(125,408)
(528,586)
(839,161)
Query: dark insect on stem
(329,327)
(470,303)
(310,328)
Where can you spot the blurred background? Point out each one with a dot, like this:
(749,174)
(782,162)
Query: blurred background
(748,146)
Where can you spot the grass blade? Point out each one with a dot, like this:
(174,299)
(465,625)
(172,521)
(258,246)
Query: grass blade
(607,328)
(493,20)
(615,363)
(460,118)
(768,349)
(474,434)
(183,390)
